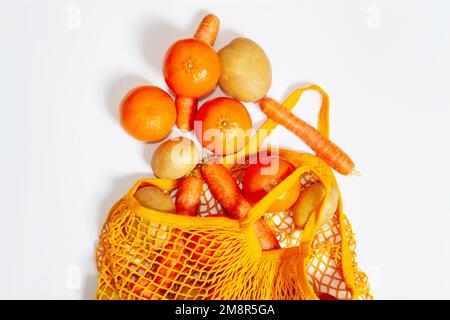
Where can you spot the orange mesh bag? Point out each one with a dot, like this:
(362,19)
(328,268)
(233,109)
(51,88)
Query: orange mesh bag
(146,254)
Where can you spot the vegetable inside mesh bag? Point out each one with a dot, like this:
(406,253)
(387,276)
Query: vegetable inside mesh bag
(147,254)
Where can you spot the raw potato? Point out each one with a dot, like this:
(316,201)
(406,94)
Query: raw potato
(309,201)
(175,158)
(154,198)
(246,72)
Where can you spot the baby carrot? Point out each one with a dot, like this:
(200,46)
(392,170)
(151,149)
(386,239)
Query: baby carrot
(324,148)
(188,194)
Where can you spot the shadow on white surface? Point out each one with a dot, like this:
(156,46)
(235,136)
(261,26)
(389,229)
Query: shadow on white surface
(159,35)
(90,286)
(149,148)
(294,87)
(119,187)
(117,90)
(156,39)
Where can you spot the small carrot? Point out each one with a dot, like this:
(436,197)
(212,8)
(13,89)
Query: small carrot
(226,190)
(266,237)
(208,29)
(168,266)
(187,106)
(324,148)
(188,194)
(186,110)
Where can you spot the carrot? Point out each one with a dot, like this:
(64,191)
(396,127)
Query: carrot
(187,106)
(188,194)
(208,29)
(266,237)
(186,110)
(226,190)
(324,148)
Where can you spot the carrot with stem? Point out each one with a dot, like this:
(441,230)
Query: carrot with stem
(187,106)
(323,147)
(188,194)
(226,190)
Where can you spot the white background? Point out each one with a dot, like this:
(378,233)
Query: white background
(64,161)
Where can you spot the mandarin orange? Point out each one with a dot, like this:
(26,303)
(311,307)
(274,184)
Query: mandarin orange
(191,68)
(148,113)
(223,125)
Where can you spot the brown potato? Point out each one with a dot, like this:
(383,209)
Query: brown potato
(309,201)
(175,158)
(154,198)
(246,72)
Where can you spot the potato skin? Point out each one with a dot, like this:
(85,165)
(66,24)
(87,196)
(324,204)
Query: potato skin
(309,201)
(246,70)
(154,198)
(175,158)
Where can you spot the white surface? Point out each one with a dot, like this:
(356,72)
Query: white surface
(65,159)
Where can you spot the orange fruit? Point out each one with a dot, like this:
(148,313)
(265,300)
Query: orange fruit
(148,113)
(223,125)
(260,178)
(191,68)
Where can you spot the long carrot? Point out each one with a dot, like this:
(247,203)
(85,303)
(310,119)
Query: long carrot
(324,148)
(226,190)
(188,194)
(186,106)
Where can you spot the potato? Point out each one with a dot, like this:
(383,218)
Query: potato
(154,198)
(309,201)
(246,72)
(175,158)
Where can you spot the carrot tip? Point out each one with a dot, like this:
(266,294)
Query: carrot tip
(356,173)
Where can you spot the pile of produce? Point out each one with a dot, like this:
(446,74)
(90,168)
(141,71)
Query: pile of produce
(192,69)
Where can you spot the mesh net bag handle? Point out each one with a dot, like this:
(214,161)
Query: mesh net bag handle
(348,267)
(130,247)
(269,125)
(311,227)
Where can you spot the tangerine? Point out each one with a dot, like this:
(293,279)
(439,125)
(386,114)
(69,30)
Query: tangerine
(191,68)
(223,125)
(148,113)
